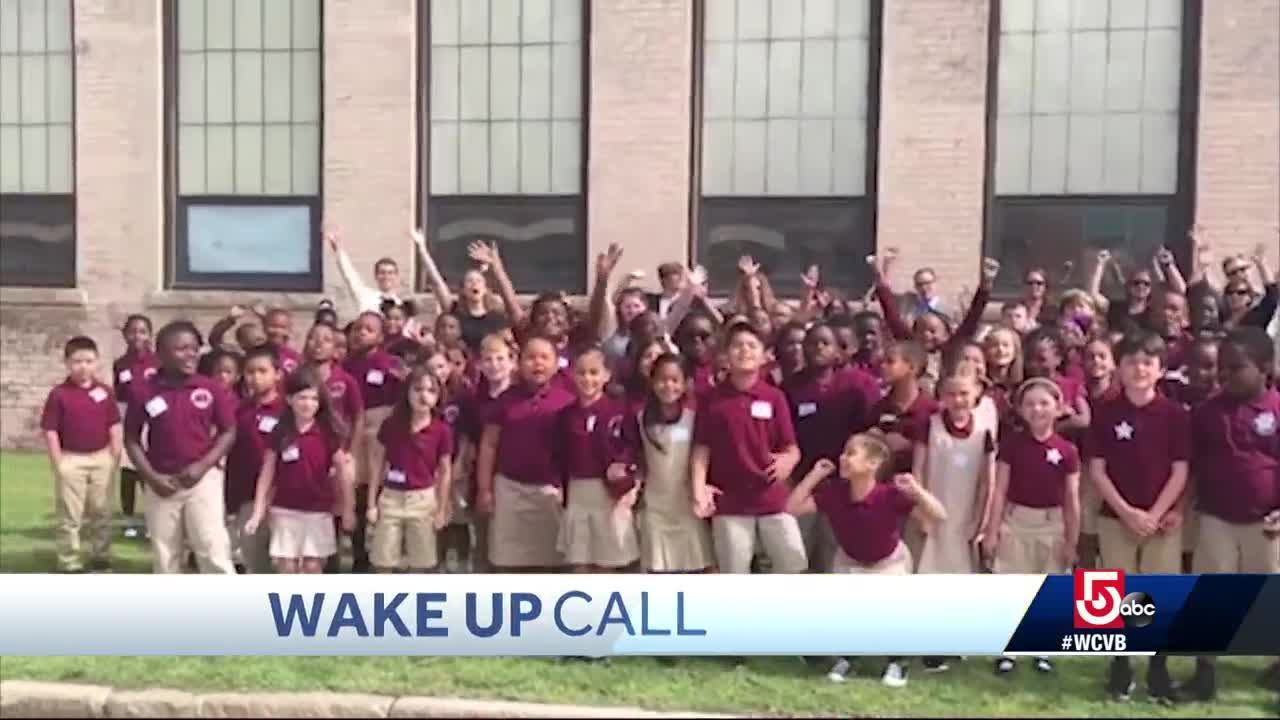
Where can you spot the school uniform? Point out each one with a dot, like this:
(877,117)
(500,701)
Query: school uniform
(345,393)
(1139,446)
(868,531)
(704,378)
(1237,474)
(476,409)
(406,534)
(1032,529)
(124,370)
(741,429)
(598,527)
(461,487)
(290,359)
(525,526)
(304,495)
(1090,498)
(82,417)
(672,538)
(825,412)
(954,473)
(182,416)
(255,421)
(912,422)
(1189,397)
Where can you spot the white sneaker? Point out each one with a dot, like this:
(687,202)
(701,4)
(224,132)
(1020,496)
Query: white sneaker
(131,532)
(839,672)
(895,675)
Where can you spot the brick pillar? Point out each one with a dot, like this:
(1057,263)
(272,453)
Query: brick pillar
(933,138)
(370,137)
(639,116)
(1238,150)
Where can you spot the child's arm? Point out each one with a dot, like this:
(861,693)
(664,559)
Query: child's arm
(444,490)
(116,443)
(1168,265)
(703,494)
(973,316)
(197,470)
(262,491)
(1094,286)
(372,492)
(54,445)
(438,286)
(220,328)
(898,327)
(928,509)
(598,316)
(920,463)
(800,501)
(995,519)
(1071,519)
(1079,419)
(487,254)
(1170,498)
(1140,522)
(345,478)
(486,464)
(365,296)
(1264,268)
(983,498)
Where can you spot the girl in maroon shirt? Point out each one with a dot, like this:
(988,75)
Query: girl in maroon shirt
(304,479)
(902,413)
(696,340)
(453,395)
(638,369)
(1045,357)
(138,362)
(1003,350)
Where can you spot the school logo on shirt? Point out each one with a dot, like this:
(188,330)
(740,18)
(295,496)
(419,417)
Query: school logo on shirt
(1053,456)
(125,376)
(289,365)
(615,427)
(337,389)
(1265,424)
(266,424)
(201,398)
(1124,431)
(149,373)
(451,414)
(98,394)
(290,454)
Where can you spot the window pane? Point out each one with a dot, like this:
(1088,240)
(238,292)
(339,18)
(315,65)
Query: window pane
(504,79)
(277,26)
(444,22)
(277,142)
(248,139)
(1159,153)
(38,237)
(248,29)
(785,21)
(748,167)
(784,78)
(1013,140)
(31,26)
(566,164)
(1017,15)
(535,81)
(306,24)
(505,16)
(851,75)
(191,88)
(1128,14)
(783,143)
(566,85)
(817,137)
(276,81)
(1017,58)
(535,21)
(820,16)
(1163,67)
(61,165)
(35,158)
(219,88)
(720,20)
(1124,70)
(306,159)
(753,19)
(58,24)
(566,21)
(306,87)
(1088,147)
(473,157)
(190,24)
(273,239)
(1089,14)
(219,26)
(10,100)
(535,157)
(220,159)
(11,169)
(33,89)
(1123,158)
(248,68)
(9,26)
(750,92)
(852,18)
(1052,16)
(444,158)
(717,98)
(504,140)
(717,157)
(1048,154)
(475,23)
(850,158)
(1052,73)
(819,79)
(444,83)
(1088,72)
(191,160)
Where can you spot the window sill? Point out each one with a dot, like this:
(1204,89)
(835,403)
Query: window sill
(44,297)
(224,299)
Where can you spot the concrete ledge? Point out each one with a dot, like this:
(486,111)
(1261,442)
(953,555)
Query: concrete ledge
(21,698)
(44,297)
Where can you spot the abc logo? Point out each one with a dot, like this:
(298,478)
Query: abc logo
(1138,610)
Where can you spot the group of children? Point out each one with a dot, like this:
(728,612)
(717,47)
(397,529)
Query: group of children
(659,433)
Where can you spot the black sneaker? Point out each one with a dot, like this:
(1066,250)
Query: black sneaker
(1160,685)
(1270,678)
(934,665)
(1120,683)
(100,565)
(1203,686)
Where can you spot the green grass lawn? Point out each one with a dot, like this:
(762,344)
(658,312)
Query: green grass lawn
(783,686)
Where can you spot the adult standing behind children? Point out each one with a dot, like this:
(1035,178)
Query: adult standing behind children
(386,274)
(471,306)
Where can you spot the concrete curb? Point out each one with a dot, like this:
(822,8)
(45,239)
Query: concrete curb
(23,698)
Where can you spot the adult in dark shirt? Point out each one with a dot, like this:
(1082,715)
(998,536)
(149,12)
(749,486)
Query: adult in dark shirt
(471,306)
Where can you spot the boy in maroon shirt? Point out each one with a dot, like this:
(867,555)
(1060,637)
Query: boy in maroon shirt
(904,412)
(81,426)
(191,424)
(744,452)
(1236,470)
(1137,448)
(256,420)
(138,361)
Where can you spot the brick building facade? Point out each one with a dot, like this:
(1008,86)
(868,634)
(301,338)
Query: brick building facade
(646,110)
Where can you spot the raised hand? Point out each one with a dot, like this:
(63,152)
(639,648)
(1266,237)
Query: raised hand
(990,269)
(811,277)
(484,253)
(236,312)
(1164,257)
(333,237)
(419,237)
(1259,255)
(906,482)
(823,468)
(607,261)
(748,266)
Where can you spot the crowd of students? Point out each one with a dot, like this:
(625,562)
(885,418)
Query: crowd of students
(663,433)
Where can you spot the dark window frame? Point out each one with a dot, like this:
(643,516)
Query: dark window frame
(178,274)
(66,276)
(866,205)
(1181,204)
(429,207)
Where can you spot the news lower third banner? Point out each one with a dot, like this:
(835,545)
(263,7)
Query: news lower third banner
(1094,612)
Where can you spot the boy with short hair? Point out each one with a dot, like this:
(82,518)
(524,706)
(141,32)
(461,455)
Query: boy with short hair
(82,430)
(1137,449)
(744,452)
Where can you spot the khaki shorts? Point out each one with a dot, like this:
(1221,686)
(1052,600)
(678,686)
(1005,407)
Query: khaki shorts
(597,529)
(298,534)
(525,527)
(1032,541)
(734,538)
(406,530)
(1225,547)
(898,563)
(1119,548)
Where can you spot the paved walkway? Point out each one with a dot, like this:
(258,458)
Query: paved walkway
(21,698)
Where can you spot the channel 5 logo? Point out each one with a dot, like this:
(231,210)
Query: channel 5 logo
(1101,603)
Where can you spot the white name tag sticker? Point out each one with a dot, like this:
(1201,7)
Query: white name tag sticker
(680,434)
(156,406)
(761,410)
(807,409)
(375,377)
(98,394)
(125,376)
(563,362)
(396,477)
(591,423)
(290,454)
(266,424)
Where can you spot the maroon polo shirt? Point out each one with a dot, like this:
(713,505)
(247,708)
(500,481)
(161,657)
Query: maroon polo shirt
(82,416)
(255,422)
(414,457)
(344,391)
(1038,470)
(741,430)
(868,531)
(826,413)
(1176,350)
(704,378)
(130,367)
(1139,446)
(476,409)
(373,374)
(1187,395)
(304,478)
(529,418)
(1236,458)
(290,359)
(1072,389)
(590,436)
(183,416)
(912,422)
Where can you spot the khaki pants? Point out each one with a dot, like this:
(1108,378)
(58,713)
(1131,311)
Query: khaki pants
(819,541)
(252,551)
(1031,541)
(1159,554)
(365,448)
(195,518)
(734,539)
(899,562)
(1225,547)
(84,486)
(406,530)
